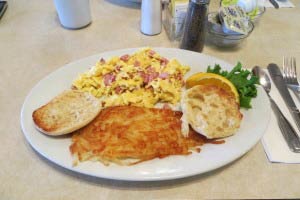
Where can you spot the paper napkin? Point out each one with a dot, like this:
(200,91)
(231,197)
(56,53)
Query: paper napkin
(275,145)
(273,141)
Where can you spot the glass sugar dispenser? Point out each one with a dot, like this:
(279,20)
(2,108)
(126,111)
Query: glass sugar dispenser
(194,27)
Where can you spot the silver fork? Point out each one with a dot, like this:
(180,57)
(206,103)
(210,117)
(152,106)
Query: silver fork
(290,75)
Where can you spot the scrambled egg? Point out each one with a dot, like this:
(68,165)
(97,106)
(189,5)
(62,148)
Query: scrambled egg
(142,79)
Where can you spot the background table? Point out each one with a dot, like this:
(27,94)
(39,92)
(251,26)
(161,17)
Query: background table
(33,44)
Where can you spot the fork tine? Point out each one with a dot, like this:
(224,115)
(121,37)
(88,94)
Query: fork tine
(292,72)
(293,66)
(288,70)
(285,70)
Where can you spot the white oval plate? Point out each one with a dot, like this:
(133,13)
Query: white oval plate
(254,123)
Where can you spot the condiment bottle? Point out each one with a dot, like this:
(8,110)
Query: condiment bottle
(194,28)
(151,17)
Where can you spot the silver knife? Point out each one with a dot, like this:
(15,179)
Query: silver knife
(287,130)
(277,78)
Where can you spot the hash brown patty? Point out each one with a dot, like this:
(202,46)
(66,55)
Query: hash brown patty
(128,135)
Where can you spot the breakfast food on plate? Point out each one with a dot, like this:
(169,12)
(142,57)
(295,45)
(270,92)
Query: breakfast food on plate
(142,79)
(129,135)
(66,113)
(211,111)
(112,109)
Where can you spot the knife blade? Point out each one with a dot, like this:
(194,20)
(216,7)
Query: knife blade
(277,78)
(274,3)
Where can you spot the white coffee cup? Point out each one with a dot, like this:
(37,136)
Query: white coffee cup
(73,14)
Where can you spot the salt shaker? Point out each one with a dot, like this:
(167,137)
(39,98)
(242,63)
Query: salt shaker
(151,17)
(194,28)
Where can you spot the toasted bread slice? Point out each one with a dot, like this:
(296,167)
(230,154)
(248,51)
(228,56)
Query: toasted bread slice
(210,111)
(66,113)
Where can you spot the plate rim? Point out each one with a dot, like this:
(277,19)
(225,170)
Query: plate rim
(154,178)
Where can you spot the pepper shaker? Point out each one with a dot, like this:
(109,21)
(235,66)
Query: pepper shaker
(151,17)
(194,27)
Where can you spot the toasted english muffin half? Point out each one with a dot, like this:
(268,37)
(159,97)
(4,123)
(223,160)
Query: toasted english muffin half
(67,112)
(210,111)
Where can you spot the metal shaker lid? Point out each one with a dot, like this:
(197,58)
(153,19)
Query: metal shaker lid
(200,1)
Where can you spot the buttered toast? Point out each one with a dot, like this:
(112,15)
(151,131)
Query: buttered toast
(66,113)
(210,111)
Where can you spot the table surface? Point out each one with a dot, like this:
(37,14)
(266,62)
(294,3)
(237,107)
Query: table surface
(33,44)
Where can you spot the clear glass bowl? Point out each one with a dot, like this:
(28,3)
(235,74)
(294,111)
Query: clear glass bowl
(216,36)
(260,12)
